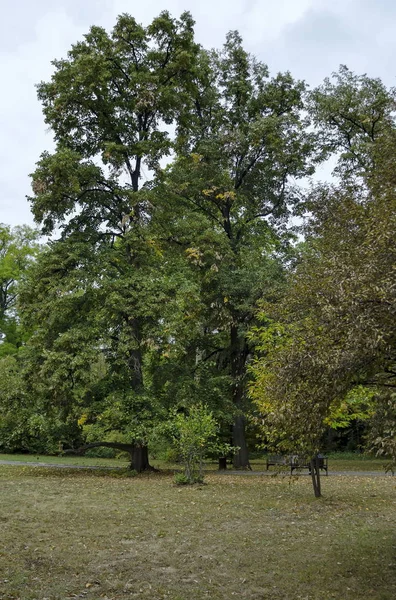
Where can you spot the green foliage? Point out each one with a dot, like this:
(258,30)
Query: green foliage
(194,435)
(18,249)
(351,113)
(24,424)
(358,405)
(158,282)
(182,479)
(382,438)
(94,299)
(332,357)
(149,295)
(245,139)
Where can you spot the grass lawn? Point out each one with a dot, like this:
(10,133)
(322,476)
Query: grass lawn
(86,534)
(337,462)
(340,462)
(82,461)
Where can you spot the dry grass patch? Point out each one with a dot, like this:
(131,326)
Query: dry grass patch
(80,534)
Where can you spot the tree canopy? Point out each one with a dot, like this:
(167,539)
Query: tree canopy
(172,265)
(332,338)
(205,233)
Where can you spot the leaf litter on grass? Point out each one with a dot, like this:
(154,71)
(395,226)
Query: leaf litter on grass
(239,536)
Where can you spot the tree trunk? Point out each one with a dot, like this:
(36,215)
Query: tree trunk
(315,474)
(241,458)
(222,463)
(139,454)
(239,354)
(140,459)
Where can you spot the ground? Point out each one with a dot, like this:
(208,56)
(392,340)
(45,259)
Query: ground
(90,534)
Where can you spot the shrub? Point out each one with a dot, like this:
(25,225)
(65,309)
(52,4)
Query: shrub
(181,479)
(194,435)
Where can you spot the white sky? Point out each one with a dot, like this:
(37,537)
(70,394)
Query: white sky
(308,37)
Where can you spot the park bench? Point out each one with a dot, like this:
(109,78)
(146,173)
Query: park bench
(295,462)
(277,460)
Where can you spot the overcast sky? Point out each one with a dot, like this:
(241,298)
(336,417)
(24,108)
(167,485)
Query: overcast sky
(308,37)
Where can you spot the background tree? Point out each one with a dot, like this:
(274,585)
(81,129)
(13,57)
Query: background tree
(18,248)
(335,330)
(241,145)
(351,112)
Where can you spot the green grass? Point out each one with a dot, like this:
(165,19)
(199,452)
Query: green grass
(355,456)
(370,464)
(340,462)
(83,461)
(337,462)
(87,534)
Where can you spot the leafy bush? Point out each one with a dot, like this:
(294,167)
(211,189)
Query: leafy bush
(194,436)
(181,479)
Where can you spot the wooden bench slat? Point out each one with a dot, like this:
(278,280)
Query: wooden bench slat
(295,462)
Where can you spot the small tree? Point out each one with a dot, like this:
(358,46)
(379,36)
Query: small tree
(194,435)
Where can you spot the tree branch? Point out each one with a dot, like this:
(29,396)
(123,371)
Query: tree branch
(117,445)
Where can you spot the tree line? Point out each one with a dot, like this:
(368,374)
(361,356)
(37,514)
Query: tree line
(176,275)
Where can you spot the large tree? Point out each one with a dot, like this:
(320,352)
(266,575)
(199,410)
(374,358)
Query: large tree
(239,140)
(107,104)
(240,149)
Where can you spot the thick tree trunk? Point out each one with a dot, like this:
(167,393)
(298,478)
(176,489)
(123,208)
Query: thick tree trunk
(140,459)
(239,354)
(139,454)
(241,458)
